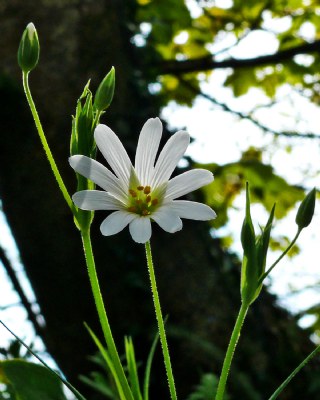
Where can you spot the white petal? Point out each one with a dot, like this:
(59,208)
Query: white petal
(140,229)
(188,182)
(147,149)
(169,157)
(116,222)
(167,220)
(98,174)
(192,210)
(96,200)
(113,151)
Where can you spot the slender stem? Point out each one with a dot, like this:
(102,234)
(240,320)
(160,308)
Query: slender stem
(280,257)
(97,118)
(230,351)
(102,313)
(162,332)
(294,373)
(45,144)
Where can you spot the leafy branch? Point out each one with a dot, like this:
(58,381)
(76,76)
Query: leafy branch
(208,62)
(249,117)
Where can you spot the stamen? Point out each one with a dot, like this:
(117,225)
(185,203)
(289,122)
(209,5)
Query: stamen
(133,193)
(141,201)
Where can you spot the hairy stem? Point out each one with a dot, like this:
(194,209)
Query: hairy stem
(103,315)
(162,332)
(230,351)
(45,145)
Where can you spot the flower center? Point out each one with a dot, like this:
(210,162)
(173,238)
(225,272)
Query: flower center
(141,201)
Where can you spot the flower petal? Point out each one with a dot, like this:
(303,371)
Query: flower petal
(188,182)
(192,210)
(113,151)
(148,145)
(167,220)
(96,200)
(169,157)
(140,229)
(116,222)
(98,174)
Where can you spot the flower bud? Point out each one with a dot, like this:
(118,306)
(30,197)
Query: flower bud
(249,269)
(104,95)
(306,210)
(29,49)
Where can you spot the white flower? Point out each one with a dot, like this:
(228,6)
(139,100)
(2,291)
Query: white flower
(143,193)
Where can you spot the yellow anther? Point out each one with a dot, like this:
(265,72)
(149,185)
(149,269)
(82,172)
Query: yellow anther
(140,187)
(148,198)
(133,193)
(147,190)
(154,202)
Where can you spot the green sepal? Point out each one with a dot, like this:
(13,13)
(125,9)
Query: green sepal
(29,49)
(105,91)
(83,125)
(306,210)
(262,245)
(249,271)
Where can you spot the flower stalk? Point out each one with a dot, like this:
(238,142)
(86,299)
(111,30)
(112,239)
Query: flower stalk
(162,332)
(230,351)
(45,145)
(86,240)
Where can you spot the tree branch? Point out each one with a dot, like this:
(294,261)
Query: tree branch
(208,62)
(242,115)
(18,288)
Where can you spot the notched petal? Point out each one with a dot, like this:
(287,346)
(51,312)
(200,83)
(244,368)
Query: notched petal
(91,200)
(116,222)
(140,229)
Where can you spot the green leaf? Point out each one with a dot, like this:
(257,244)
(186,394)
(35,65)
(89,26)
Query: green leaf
(147,373)
(107,357)
(132,368)
(31,381)
(207,388)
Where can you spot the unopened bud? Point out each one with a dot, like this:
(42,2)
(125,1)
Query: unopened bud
(29,49)
(249,269)
(306,210)
(104,95)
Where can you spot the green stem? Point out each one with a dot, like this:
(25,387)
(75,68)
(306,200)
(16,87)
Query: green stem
(102,314)
(97,118)
(294,373)
(280,257)
(162,332)
(230,351)
(45,144)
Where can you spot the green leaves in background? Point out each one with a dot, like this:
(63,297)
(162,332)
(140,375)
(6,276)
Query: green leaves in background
(266,187)
(29,381)
(206,389)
